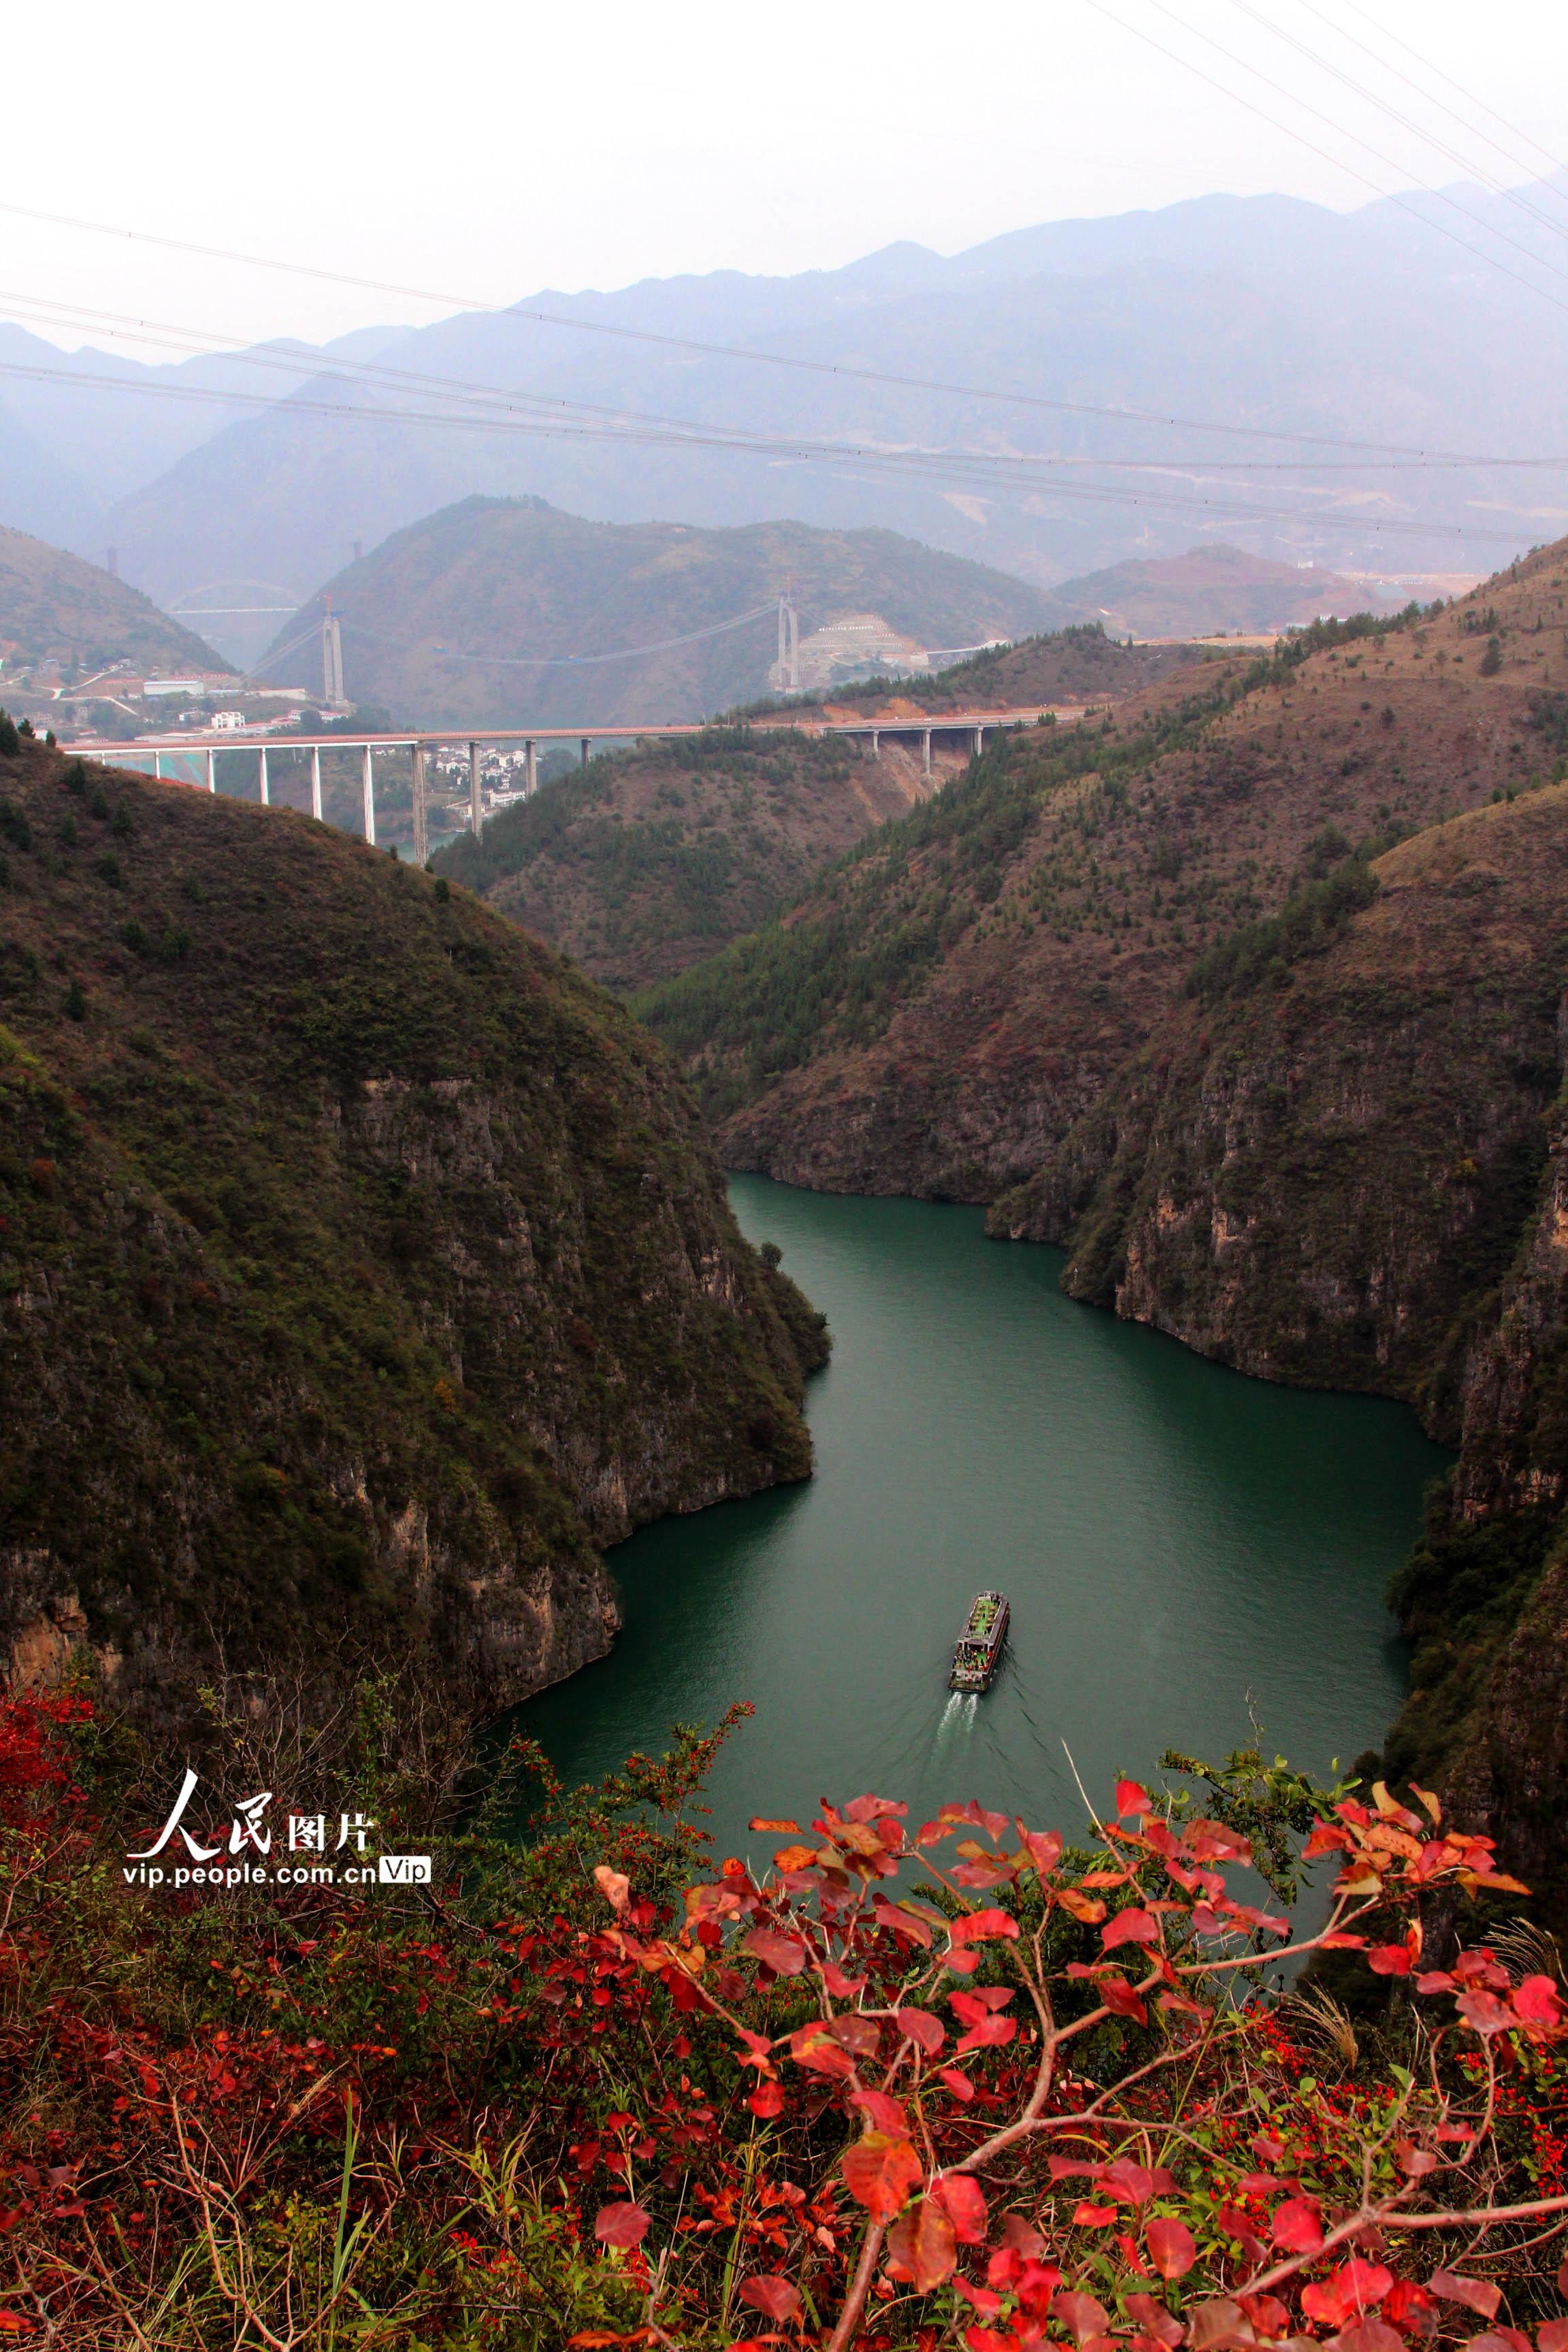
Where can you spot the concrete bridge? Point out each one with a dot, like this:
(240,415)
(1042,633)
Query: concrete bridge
(203,750)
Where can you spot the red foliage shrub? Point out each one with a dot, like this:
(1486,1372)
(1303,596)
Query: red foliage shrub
(968,2085)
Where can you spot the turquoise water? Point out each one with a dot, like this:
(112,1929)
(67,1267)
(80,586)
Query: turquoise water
(1184,1549)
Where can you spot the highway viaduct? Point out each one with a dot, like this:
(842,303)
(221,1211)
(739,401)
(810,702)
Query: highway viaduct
(203,750)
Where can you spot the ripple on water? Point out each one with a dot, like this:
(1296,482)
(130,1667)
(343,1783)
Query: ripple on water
(1180,1545)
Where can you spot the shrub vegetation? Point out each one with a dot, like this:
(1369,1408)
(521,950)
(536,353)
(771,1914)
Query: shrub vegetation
(911,2086)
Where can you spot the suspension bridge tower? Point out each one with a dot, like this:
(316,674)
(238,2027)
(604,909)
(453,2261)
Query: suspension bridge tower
(332,693)
(789,642)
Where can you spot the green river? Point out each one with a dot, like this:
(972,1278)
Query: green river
(1181,1546)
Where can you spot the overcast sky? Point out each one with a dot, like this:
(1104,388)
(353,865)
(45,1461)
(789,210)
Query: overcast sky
(482,152)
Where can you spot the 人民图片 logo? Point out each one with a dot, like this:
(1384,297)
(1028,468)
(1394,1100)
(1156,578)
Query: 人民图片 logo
(241,1853)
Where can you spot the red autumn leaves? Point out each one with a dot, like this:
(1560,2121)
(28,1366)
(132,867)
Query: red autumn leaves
(895,1982)
(922,2245)
(622,2225)
(881,2171)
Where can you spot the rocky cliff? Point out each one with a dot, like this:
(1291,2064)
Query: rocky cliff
(363,1269)
(1341,1158)
(1326,1150)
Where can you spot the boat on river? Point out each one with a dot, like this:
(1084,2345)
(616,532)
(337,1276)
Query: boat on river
(978,1652)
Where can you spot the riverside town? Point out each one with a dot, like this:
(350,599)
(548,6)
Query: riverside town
(784,1183)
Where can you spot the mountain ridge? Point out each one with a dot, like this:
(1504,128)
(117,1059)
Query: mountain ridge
(1265,314)
(56,609)
(1028,921)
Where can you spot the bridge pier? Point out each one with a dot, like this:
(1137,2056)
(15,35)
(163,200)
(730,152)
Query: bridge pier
(587,740)
(530,770)
(876,742)
(315,781)
(421,830)
(157,768)
(925,748)
(367,789)
(261,777)
(476,803)
(212,772)
(979,740)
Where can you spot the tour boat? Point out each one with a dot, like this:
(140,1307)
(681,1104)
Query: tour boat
(979,1650)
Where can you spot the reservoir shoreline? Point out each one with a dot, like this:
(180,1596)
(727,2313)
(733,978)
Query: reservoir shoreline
(1188,1552)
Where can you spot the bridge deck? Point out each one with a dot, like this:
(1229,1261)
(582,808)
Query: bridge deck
(942,722)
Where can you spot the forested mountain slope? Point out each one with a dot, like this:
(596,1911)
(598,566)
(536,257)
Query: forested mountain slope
(1341,1160)
(362,1267)
(648,859)
(952,996)
(505,611)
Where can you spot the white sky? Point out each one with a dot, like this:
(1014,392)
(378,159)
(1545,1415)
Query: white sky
(483,149)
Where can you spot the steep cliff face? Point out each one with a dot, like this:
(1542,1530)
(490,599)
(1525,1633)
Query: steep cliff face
(1485,1595)
(363,1269)
(1315,1175)
(1347,1164)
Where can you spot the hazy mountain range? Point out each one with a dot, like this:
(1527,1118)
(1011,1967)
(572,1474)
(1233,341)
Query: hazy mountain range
(246,479)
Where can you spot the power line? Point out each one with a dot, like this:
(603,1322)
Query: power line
(200,343)
(979,469)
(495,410)
(1441,196)
(1360,90)
(534,316)
(1475,130)
(1555,161)
(1037,471)
(1290,132)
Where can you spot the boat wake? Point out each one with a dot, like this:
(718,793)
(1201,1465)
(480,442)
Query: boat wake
(959,1713)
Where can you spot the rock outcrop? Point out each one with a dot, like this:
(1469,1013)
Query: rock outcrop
(1347,1166)
(363,1270)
